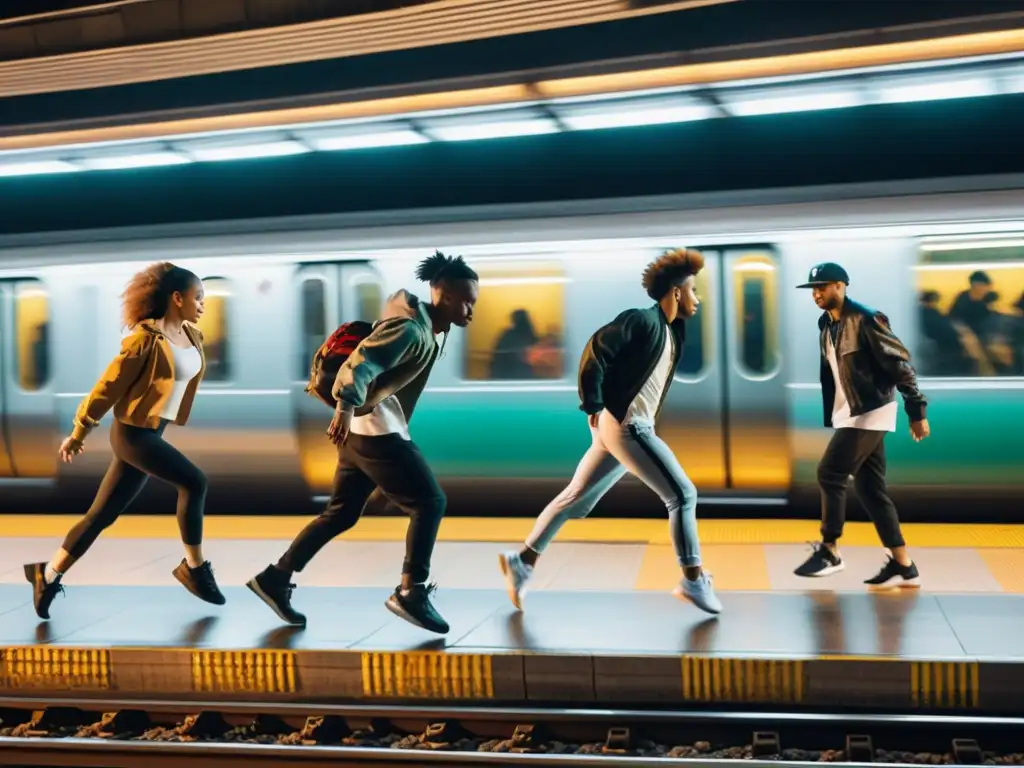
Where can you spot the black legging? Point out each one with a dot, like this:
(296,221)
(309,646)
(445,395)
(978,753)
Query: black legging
(139,453)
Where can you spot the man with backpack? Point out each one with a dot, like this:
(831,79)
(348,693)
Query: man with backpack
(374,393)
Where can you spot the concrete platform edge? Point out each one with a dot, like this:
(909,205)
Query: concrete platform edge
(534,679)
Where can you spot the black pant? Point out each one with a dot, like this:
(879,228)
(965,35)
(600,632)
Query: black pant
(139,453)
(861,453)
(398,469)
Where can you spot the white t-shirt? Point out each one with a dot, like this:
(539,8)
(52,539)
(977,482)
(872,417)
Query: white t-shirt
(645,405)
(187,363)
(387,418)
(879,420)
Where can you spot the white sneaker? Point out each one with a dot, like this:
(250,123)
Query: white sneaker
(516,573)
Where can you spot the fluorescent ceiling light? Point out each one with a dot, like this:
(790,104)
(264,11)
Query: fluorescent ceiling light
(381,138)
(936,90)
(495,130)
(971,245)
(33,168)
(623,116)
(142,160)
(764,104)
(246,151)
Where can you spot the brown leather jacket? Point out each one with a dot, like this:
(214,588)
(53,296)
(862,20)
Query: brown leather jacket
(138,382)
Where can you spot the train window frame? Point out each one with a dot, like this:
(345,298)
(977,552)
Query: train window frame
(514,263)
(15,284)
(734,256)
(228,323)
(963,255)
(304,372)
(357,281)
(710,299)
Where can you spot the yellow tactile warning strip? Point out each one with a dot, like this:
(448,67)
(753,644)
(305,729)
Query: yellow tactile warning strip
(1006,566)
(244,672)
(599,530)
(723,680)
(734,566)
(945,684)
(39,667)
(427,675)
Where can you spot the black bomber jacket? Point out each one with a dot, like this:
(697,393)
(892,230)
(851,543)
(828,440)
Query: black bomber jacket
(872,363)
(622,355)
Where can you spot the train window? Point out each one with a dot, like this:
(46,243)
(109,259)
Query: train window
(518,330)
(970,296)
(215,327)
(370,299)
(313,296)
(698,330)
(32,334)
(757,313)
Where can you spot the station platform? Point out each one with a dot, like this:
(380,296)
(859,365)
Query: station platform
(599,625)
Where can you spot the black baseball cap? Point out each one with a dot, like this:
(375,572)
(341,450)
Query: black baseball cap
(822,274)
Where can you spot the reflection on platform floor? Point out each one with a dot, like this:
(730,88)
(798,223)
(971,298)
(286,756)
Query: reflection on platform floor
(789,625)
(565,566)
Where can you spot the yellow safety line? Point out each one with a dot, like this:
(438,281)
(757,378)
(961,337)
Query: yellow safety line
(507,530)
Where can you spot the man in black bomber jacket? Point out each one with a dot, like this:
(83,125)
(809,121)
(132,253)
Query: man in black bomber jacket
(862,364)
(626,371)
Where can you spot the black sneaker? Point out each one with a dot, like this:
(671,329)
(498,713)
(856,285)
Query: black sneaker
(272,587)
(415,608)
(894,575)
(821,562)
(42,592)
(200,582)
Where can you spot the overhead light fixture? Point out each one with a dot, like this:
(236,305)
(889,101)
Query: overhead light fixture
(38,167)
(376,138)
(935,90)
(763,103)
(626,115)
(468,129)
(212,153)
(141,160)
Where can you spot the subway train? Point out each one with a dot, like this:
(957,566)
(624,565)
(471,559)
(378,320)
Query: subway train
(500,420)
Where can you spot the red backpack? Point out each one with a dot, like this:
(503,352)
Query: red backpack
(331,355)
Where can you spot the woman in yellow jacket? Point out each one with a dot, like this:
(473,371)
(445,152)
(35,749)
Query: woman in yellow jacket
(151,382)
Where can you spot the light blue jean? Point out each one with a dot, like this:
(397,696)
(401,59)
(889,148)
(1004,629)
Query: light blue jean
(617,449)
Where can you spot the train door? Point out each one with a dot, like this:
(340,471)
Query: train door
(754,394)
(328,294)
(28,438)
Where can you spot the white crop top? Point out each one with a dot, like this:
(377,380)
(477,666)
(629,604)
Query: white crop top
(187,363)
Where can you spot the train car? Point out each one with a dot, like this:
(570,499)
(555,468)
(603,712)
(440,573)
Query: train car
(500,420)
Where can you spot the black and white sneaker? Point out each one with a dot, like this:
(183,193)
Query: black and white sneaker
(273,588)
(43,591)
(895,576)
(822,562)
(200,582)
(415,607)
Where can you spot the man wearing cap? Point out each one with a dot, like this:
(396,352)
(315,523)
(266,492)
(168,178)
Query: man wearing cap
(862,364)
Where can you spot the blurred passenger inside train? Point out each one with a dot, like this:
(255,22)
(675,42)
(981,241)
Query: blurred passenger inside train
(508,361)
(942,351)
(152,382)
(545,357)
(626,371)
(862,365)
(970,306)
(376,390)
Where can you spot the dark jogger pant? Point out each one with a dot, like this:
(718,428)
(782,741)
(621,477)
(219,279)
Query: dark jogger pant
(861,453)
(400,471)
(139,453)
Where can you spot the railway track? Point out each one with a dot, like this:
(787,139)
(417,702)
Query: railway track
(123,734)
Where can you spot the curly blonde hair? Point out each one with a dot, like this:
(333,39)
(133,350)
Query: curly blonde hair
(671,268)
(149,292)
